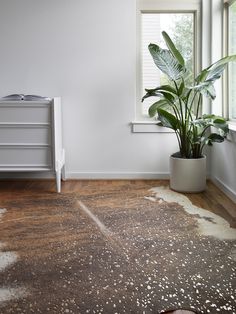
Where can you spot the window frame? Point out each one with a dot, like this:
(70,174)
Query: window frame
(226,107)
(167,6)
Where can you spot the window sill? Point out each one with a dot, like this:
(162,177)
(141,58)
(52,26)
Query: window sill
(232,125)
(152,127)
(148,127)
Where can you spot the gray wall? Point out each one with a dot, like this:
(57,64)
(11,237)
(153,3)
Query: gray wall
(85,52)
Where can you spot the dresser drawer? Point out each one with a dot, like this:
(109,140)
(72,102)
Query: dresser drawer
(25,135)
(25,113)
(25,157)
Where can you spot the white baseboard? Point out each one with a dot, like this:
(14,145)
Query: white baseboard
(27,175)
(224,188)
(88,175)
(118,175)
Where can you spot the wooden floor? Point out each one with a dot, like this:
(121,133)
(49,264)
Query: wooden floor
(212,199)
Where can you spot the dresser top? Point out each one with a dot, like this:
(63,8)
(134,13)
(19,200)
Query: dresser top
(25,103)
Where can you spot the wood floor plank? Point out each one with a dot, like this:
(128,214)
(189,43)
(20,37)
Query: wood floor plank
(212,199)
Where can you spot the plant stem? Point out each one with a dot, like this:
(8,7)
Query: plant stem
(199,105)
(183,148)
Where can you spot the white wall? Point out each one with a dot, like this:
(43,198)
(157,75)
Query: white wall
(83,51)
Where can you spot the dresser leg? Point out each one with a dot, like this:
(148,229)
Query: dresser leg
(63,173)
(58,180)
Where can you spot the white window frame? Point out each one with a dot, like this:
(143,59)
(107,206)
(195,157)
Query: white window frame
(226,109)
(163,6)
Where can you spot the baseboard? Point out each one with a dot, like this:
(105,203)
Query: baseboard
(118,175)
(89,175)
(27,175)
(224,188)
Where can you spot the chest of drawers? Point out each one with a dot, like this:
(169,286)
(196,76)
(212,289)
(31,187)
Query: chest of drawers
(31,137)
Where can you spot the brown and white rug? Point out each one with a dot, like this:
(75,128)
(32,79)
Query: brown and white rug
(124,250)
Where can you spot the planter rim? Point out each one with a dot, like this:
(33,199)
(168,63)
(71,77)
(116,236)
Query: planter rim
(181,158)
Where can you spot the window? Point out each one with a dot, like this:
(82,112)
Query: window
(179,21)
(180,27)
(232,66)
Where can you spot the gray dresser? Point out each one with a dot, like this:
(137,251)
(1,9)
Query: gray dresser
(31,137)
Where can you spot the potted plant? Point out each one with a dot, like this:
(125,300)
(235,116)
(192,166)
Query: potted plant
(179,108)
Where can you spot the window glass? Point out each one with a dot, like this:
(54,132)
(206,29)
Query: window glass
(180,27)
(232,65)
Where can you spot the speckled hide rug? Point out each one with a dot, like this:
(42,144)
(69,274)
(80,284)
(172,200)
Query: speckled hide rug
(122,250)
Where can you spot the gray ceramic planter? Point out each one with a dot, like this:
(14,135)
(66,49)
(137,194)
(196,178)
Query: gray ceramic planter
(188,175)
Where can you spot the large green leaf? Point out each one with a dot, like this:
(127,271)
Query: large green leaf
(208,116)
(222,127)
(210,75)
(173,49)
(209,91)
(207,77)
(163,88)
(201,76)
(206,88)
(216,138)
(215,70)
(200,123)
(165,91)
(151,93)
(215,73)
(205,80)
(207,121)
(165,61)
(219,120)
(214,119)
(167,119)
(152,111)
(181,87)
(223,61)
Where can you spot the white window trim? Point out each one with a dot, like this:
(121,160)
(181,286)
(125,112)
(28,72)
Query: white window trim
(232,125)
(225,52)
(232,121)
(149,127)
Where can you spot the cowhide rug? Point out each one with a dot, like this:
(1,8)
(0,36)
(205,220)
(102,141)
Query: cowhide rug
(126,250)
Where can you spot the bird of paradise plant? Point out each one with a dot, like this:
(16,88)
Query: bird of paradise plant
(179,106)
